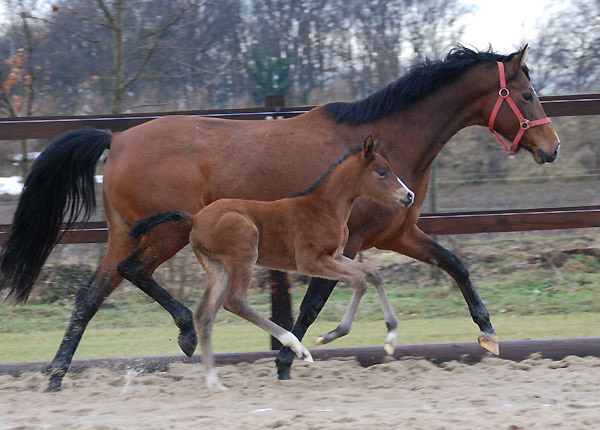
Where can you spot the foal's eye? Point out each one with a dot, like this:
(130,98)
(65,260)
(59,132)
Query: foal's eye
(528,97)
(382,173)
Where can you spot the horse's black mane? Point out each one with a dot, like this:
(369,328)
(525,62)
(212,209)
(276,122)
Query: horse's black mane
(351,151)
(421,80)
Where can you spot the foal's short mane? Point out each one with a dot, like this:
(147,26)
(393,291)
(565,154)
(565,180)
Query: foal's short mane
(421,80)
(349,152)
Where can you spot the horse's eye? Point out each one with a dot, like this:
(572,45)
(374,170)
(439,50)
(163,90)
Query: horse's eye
(528,97)
(382,173)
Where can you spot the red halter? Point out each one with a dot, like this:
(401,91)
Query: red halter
(504,94)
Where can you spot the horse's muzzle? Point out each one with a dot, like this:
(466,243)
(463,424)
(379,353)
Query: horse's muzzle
(545,158)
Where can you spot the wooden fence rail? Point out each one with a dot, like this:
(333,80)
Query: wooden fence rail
(49,127)
(434,224)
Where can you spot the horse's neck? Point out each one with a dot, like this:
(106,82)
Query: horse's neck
(340,188)
(419,132)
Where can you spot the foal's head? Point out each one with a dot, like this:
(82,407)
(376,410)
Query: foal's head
(379,182)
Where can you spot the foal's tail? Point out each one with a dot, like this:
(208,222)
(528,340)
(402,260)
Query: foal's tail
(60,185)
(144,225)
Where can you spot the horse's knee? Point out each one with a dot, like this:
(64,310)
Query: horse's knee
(131,268)
(452,265)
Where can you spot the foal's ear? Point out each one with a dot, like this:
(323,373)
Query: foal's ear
(368,147)
(377,145)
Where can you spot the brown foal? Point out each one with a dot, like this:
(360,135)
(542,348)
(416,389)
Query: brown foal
(306,232)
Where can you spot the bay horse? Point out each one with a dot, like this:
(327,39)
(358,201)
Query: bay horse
(306,232)
(185,163)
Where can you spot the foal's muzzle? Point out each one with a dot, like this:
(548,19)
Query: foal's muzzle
(408,201)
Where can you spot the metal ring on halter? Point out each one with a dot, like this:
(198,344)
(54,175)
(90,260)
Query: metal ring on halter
(525,124)
(503,95)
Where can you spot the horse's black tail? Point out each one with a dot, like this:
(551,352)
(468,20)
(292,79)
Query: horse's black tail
(60,185)
(144,225)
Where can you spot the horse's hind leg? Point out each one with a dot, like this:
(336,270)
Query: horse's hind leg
(155,248)
(88,300)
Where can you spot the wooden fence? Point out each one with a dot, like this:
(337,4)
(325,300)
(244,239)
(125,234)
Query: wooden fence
(435,224)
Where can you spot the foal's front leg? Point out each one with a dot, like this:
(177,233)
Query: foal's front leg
(372,275)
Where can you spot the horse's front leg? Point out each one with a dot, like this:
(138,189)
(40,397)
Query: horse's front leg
(318,292)
(414,243)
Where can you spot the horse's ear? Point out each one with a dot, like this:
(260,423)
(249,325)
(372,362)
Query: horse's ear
(368,149)
(518,61)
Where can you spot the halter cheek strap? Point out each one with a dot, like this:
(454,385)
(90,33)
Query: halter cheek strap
(504,95)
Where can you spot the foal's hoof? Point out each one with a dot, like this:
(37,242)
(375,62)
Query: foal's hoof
(389,348)
(489,342)
(306,356)
(188,341)
(320,340)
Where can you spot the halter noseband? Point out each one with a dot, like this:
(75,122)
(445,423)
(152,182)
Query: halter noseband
(524,123)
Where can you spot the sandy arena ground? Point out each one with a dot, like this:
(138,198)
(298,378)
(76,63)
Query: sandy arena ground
(337,394)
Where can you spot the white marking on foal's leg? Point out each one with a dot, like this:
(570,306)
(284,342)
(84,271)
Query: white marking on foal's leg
(390,342)
(213,382)
(291,341)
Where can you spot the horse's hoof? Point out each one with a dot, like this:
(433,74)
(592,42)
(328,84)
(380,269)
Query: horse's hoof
(188,341)
(284,374)
(320,340)
(489,342)
(54,386)
(283,370)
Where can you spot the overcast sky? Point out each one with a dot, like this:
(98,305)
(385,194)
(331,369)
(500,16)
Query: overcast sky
(506,24)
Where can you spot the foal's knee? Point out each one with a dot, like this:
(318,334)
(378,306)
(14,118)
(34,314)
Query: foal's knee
(374,277)
(235,304)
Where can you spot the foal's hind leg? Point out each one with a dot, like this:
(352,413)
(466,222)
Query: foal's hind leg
(205,314)
(156,247)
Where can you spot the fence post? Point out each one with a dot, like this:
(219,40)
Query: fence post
(281,300)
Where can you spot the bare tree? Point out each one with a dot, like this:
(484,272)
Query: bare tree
(137,32)
(569,60)
(21,73)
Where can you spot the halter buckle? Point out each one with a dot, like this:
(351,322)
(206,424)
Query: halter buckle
(524,124)
(504,93)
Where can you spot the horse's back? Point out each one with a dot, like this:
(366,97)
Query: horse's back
(185,163)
